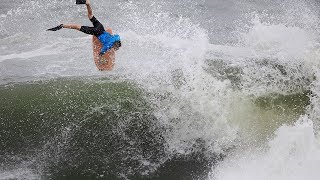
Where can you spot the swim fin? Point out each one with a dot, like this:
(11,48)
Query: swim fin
(56,28)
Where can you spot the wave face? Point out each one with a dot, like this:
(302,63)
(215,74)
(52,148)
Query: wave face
(200,90)
(73,128)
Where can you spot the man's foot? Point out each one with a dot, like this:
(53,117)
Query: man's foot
(56,28)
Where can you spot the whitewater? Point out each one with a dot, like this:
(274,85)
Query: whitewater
(208,89)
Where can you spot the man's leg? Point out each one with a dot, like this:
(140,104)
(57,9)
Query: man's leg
(97,30)
(72,26)
(89,9)
(85,29)
(76,26)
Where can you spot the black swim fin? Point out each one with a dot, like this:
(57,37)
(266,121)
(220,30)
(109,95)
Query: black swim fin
(56,28)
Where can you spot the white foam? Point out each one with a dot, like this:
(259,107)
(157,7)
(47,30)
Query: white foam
(19,173)
(232,51)
(282,58)
(294,153)
(44,51)
(196,108)
(279,40)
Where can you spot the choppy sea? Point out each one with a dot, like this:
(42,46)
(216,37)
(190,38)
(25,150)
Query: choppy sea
(201,90)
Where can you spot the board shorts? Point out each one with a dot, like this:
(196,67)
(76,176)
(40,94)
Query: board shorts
(96,30)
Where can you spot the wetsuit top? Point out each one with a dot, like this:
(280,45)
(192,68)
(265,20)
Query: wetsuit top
(107,41)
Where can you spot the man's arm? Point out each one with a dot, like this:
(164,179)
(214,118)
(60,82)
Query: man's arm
(89,9)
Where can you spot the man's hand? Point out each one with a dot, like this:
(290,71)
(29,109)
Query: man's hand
(101,60)
(87,2)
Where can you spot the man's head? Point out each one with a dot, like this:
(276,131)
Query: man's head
(117,45)
(117,42)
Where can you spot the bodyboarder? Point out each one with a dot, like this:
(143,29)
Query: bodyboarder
(108,40)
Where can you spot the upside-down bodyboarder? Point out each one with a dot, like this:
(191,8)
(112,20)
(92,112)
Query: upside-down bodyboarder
(108,40)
